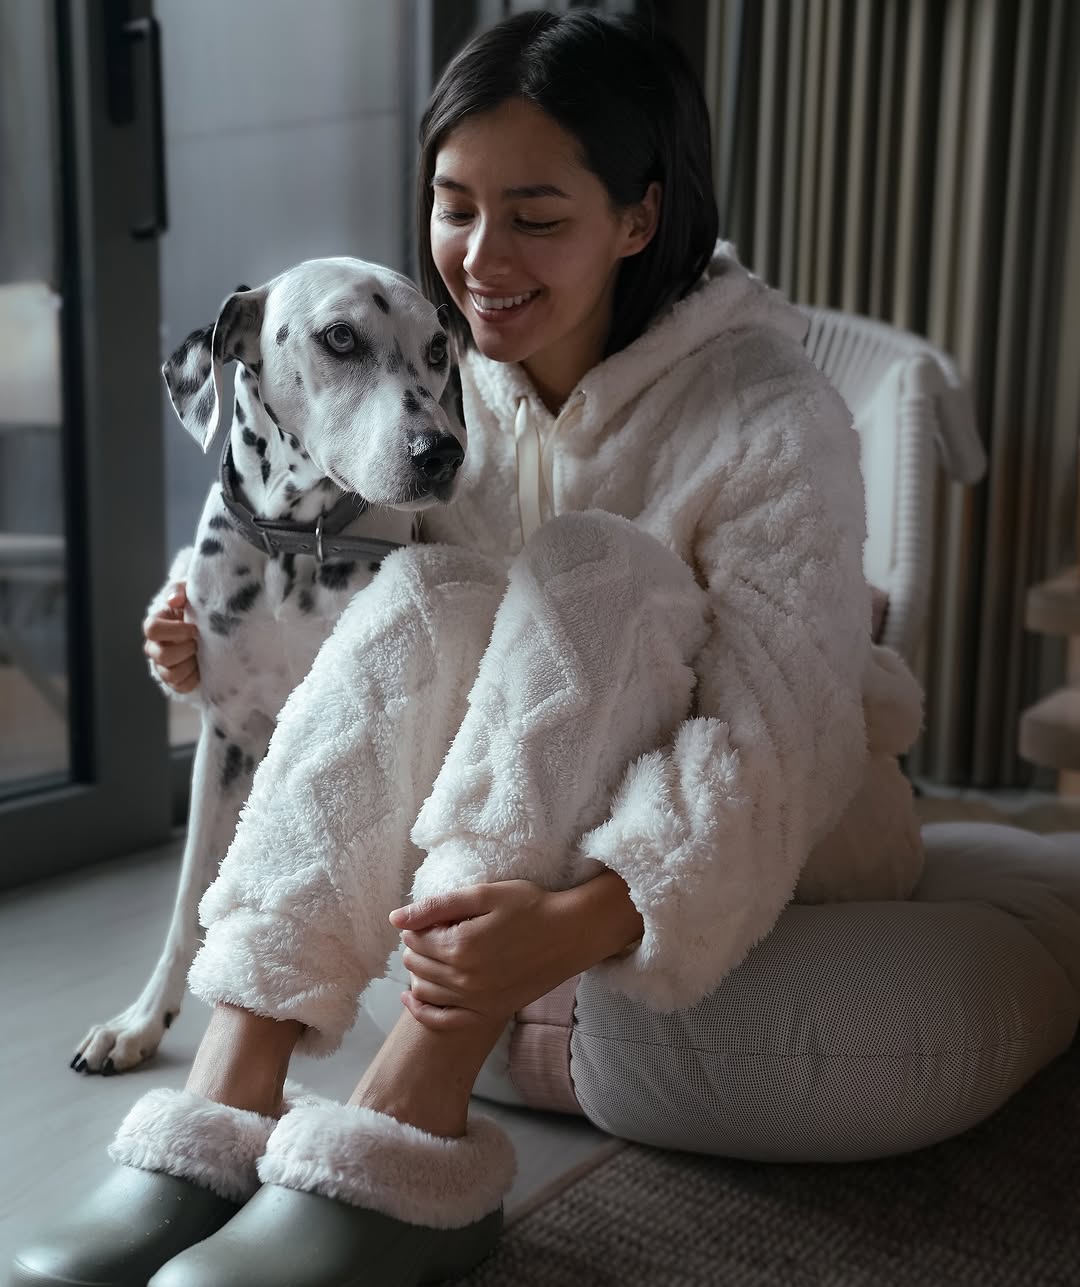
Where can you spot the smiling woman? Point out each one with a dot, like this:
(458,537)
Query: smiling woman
(529,243)
(559,213)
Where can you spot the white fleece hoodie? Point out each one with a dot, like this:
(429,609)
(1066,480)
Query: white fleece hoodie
(716,434)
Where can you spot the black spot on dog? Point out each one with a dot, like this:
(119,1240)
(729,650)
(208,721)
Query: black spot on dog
(249,763)
(270,412)
(281,433)
(292,469)
(220,624)
(410,403)
(413,372)
(381,302)
(396,359)
(241,569)
(221,522)
(298,378)
(335,576)
(260,446)
(244,598)
(241,287)
(238,412)
(374,567)
(230,769)
(283,334)
(218,732)
(264,469)
(305,601)
(291,489)
(248,437)
(294,442)
(210,546)
(421,392)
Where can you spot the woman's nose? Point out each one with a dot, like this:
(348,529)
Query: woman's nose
(487,255)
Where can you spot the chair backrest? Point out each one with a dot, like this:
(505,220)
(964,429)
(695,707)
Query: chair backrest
(914,416)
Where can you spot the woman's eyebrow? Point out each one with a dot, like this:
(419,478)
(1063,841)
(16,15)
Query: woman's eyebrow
(522,193)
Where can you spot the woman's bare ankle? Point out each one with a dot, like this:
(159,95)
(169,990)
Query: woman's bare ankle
(425,1078)
(243,1060)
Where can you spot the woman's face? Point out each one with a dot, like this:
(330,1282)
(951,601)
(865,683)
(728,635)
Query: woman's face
(528,244)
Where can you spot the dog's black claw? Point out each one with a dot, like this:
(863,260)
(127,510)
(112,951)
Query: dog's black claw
(107,1068)
(169,1017)
(80,1066)
(74,1060)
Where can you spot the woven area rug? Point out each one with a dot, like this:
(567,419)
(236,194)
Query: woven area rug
(997,1207)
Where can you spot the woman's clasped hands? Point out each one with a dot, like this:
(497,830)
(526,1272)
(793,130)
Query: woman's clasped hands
(479,955)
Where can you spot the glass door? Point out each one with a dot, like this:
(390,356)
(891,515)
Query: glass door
(84,767)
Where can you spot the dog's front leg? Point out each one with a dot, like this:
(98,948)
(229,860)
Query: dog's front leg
(220,782)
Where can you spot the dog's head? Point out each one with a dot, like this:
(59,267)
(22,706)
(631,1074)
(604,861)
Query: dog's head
(349,358)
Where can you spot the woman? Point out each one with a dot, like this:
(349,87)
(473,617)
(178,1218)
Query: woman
(662,495)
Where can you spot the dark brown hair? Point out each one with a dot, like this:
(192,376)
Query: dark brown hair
(629,97)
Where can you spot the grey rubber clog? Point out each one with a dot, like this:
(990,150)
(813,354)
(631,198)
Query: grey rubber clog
(288,1238)
(134,1222)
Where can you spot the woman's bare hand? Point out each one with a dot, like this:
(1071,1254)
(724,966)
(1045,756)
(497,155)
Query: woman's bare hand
(481,954)
(172,643)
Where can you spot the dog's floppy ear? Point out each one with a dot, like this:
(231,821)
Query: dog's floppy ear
(195,373)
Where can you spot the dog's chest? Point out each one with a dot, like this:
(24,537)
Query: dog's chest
(261,619)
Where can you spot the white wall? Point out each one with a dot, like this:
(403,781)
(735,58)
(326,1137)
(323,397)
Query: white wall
(287,138)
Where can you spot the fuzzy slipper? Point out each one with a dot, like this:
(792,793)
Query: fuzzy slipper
(351,1198)
(186,1165)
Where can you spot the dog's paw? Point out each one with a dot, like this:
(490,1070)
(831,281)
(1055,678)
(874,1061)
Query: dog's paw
(122,1043)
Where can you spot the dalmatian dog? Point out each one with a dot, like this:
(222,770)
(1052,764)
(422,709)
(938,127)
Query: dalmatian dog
(346,422)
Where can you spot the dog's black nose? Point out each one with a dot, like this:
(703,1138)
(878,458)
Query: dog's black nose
(438,457)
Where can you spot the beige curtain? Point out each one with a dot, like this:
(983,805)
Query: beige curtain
(918,161)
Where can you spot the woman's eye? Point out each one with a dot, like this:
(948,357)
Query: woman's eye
(528,225)
(340,338)
(453,216)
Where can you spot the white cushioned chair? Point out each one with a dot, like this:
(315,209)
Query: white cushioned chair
(914,417)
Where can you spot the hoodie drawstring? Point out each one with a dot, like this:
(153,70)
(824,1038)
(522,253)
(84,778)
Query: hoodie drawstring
(529,480)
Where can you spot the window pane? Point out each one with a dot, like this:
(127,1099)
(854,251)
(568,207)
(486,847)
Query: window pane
(34,741)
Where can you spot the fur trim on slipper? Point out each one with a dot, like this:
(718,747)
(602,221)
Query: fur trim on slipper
(193,1138)
(371,1160)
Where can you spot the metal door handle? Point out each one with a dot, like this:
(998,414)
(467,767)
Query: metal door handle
(148,29)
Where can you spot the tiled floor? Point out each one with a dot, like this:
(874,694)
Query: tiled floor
(73,952)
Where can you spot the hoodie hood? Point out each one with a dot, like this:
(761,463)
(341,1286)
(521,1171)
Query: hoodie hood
(727,298)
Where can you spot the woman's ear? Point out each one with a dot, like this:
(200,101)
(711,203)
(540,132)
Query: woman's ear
(642,220)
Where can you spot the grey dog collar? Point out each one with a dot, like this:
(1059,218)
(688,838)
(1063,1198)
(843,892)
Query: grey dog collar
(282,536)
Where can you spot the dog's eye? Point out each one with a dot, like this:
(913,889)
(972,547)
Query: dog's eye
(340,338)
(437,351)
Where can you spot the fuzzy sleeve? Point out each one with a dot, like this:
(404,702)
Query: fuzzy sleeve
(710,832)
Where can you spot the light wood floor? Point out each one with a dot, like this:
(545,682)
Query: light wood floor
(76,950)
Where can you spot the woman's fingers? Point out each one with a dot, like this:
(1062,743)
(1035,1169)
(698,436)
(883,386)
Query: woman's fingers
(166,630)
(169,655)
(431,970)
(443,909)
(183,677)
(438,1018)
